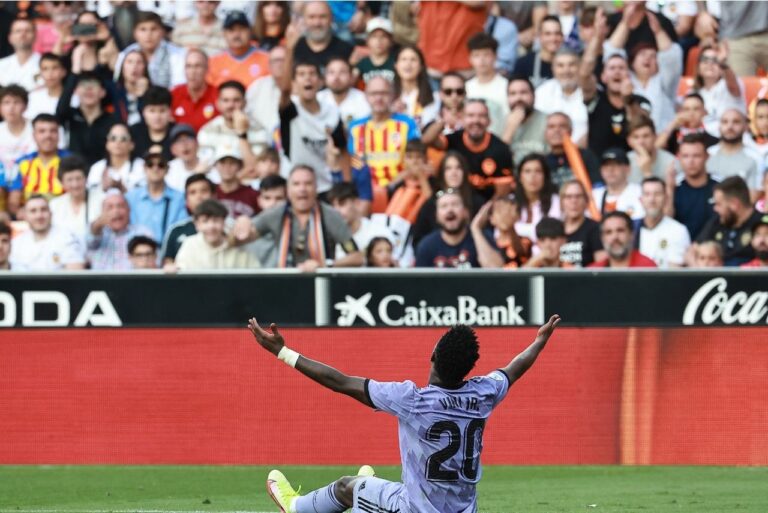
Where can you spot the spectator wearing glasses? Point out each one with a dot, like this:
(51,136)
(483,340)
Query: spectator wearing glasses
(717,84)
(583,245)
(525,125)
(194,102)
(452,94)
(155,205)
(143,252)
(118,169)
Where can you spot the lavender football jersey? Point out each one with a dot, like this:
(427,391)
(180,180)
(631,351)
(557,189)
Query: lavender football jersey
(441,438)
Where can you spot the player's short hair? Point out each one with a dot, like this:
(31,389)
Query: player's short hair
(199,177)
(271,182)
(71,164)
(141,240)
(735,187)
(15,91)
(455,354)
(157,95)
(342,191)
(482,41)
(550,228)
(232,84)
(211,208)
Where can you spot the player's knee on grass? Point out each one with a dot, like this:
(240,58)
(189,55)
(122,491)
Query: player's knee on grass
(345,490)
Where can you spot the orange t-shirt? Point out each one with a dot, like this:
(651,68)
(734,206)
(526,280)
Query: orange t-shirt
(223,67)
(445,28)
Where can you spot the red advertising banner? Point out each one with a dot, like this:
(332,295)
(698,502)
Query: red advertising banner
(152,396)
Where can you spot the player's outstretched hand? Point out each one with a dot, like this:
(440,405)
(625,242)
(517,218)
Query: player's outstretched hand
(272,342)
(547,329)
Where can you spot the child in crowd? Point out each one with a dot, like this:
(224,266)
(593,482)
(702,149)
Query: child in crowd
(411,189)
(379,253)
(380,60)
(550,237)
(488,84)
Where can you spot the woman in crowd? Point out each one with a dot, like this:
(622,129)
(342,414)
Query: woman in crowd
(132,83)
(453,173)
(413,93)
(379,253)
(717,84)
(118,169)
(536,195)
(272,20)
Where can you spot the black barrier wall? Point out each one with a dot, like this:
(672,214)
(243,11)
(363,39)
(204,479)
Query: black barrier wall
(396,298)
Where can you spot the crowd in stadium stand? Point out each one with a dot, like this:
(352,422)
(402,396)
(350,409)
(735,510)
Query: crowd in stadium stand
(476,134)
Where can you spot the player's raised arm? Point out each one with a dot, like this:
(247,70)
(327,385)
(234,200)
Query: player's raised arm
(524,360)
(327,376)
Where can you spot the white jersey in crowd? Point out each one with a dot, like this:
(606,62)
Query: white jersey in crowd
(628,201)
(494,93)
(551,98)
(64,215)
(13,72)
(367,231)
(57,249)
(354,106)
(131,173)
(40,102)
(666,243)
(14,146)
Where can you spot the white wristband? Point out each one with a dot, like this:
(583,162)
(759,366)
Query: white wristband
(289,356)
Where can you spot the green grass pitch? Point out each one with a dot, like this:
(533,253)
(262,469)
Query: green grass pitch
(503,489)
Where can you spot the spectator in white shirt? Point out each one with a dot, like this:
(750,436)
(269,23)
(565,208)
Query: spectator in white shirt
(339,82)
(45,99)
(185,162)
(45,247)
(718,85)
(487,84)
(659,237)
(77,208)
(263,95)
(118,170)
(563,94)
(617,194)
(23,65)
(16,138)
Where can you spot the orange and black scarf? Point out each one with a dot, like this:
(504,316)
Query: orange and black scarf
(315,238)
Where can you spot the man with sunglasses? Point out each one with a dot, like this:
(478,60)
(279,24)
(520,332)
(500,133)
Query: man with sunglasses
(452,94)
(155,205)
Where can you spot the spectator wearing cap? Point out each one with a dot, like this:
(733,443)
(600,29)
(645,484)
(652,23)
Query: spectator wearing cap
(166,60)
(557,127)
(339,90)
(203,31)
(607,109)
(44,246)
(732,226)
(319,44)
(197,189)
(617,235)
(617,193)
(563,94)
(262,97)
(118,169)
(688,120)
(730,157)
(23,65)
(185,161)
(380,59)
(453,244)
(154,205)
(537,65)
(645,159)
(239,199)
(194,102)
(658,236)
(656,61)
(488,84)
(209,248)
(550,238)
(692,198)
(37,172)
(525,125)
(311,131)
(155,129)
(241,60)
(78,207)
(305,229)
(583,245)
(109,234)
(500,245)
(5,247)
(232,128)
(143,252)
(759,243)
(88,123)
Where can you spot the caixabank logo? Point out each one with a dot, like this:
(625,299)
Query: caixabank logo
(395,310)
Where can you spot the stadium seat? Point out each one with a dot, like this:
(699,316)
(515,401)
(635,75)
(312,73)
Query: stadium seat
(684,87)
(752,87)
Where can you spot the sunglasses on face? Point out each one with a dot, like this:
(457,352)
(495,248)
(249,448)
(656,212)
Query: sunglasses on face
(460,91)
(449,190)
(155,165)
(709,59)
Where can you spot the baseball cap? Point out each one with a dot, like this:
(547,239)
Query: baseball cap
(378,23)
(225,151)
(236,18)
(182,129)
(614,154)
(762,221)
